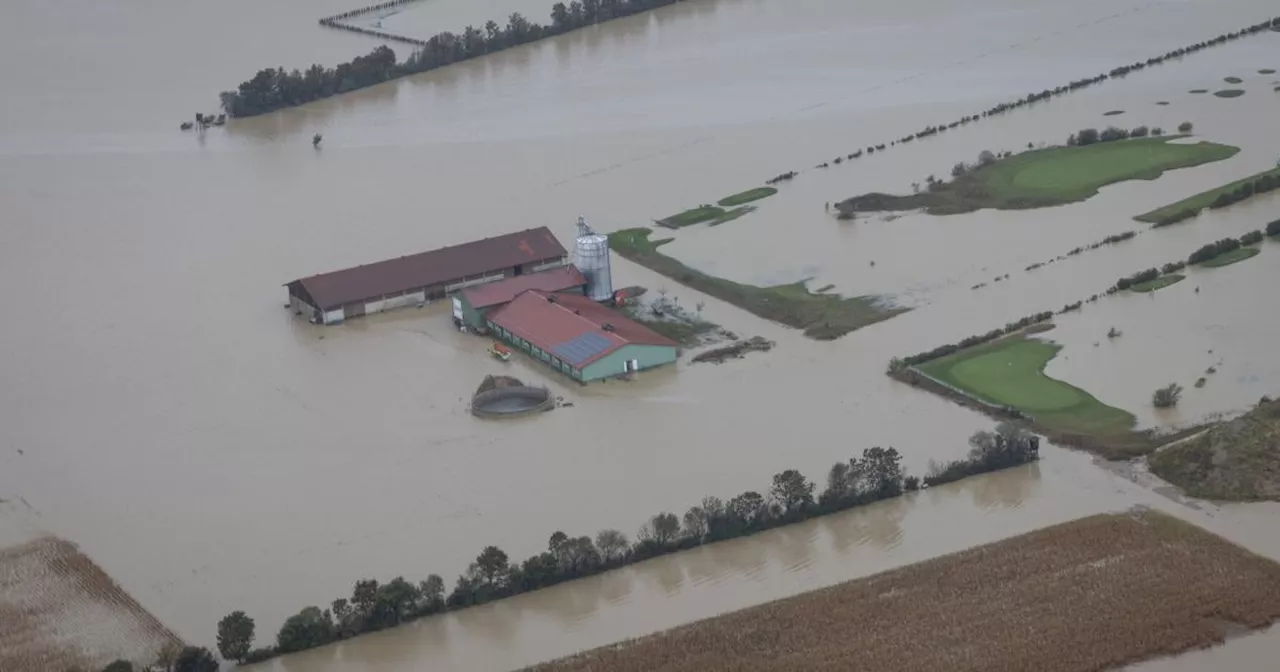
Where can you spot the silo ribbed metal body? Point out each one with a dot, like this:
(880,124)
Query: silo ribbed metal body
(591,256)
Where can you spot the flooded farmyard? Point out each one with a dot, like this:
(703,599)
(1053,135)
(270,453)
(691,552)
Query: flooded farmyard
(210,451)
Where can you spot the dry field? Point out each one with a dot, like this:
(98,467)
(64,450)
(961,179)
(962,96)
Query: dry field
(59,612)
(1091,594)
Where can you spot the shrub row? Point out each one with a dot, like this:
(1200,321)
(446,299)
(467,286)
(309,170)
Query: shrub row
(1109,240)
(876,475)
(900,363)
(1213,250)
(1273,228)
(274,89)
(1201,255)
(1262,185)
(1090,136)
(1137,278)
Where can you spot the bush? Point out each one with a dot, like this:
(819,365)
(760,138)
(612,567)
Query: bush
(1111,134)
(1137,278)
(1139,132)
(1185,127)
(119,666)
(1273,228)
(259,655)
(1212,250)
(1251,238)
(1173,267)
(1157,131)
(1085,136)
(1167,396)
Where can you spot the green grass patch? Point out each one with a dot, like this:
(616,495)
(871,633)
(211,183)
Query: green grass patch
(1162,102)
(1228,258)
(1048,177)
(821,316)
(1201,200)
(733,214)
(1229,93)
(1267,71)
(1010,372)
(698,215)
(747,196)
(1198,91)
(1112,113)
(1159,283)
(1232,80)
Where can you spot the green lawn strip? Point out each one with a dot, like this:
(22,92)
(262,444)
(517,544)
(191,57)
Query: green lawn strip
(1010,372)
(821,316)
(747,196)
(1229,93)
(1159,283)
(1228,258)
(1201,200)
(733,214)
(703,213)
(1048,177)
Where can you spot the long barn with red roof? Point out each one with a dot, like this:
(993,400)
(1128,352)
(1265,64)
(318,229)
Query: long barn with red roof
(330,298)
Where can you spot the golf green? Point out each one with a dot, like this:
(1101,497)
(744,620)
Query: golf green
(1011,373)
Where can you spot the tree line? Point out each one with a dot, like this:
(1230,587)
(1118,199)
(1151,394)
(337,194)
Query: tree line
(1263,184)
(274,88)
(1109,240)
(1063,89)
(876,475)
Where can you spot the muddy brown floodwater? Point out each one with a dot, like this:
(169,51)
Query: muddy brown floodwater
(161,409)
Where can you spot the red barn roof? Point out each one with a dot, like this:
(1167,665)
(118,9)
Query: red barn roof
(503,291)
(572,327)
(330,290)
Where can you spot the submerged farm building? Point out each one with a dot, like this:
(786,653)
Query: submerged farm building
(473,303)
(579,337)
(333,297)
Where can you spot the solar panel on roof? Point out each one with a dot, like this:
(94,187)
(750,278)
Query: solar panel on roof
(582,348)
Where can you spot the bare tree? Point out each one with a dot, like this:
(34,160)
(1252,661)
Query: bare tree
(612,544)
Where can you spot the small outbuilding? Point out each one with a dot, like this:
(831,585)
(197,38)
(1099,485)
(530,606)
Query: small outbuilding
(472,304)
(578,337)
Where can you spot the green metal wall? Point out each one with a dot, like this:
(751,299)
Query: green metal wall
(648,356)
(470,316)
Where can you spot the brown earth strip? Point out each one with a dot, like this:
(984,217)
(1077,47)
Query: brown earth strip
(59,611)
(1092,594)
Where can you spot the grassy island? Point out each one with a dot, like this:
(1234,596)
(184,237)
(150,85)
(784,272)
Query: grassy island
(1235,460)
(747,196)
(1229,93)
(1010,372)
(1159,283)
(821,316)
(1095,593)
(1047,177)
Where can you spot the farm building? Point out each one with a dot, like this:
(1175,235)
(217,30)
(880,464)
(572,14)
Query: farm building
(333,297)
(473,303)
(579,337)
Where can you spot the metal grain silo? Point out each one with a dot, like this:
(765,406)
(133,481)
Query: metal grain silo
(591,256)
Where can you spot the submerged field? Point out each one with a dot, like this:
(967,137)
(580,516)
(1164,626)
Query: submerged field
(1236,460)
(1048,177)
(1010,372)
(821,316)
(59,611)
(1093,594)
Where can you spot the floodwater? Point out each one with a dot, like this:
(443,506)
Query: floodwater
(212,453)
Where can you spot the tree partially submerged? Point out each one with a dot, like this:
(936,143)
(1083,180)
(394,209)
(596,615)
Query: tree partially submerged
(1167,396)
